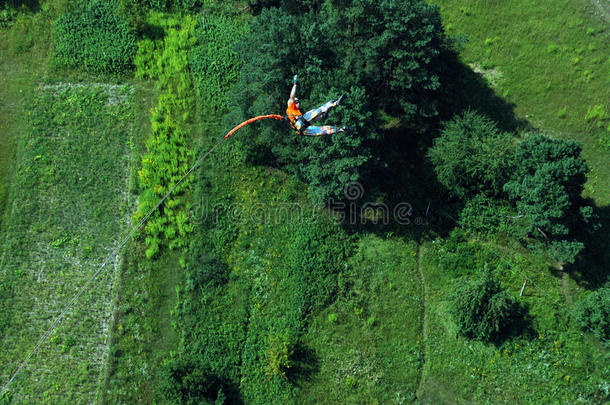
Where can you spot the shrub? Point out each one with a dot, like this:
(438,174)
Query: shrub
(472,156)
(483,215)
(162,5)
(593,313)
(278,356)
(205,271)
(316,255)
(93,37)
(169,155)
(213,63)
(184,381)
(482,310)
(459,257)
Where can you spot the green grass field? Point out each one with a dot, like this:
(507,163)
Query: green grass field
(553,362)
(369,346)
(67,204)
(72,144)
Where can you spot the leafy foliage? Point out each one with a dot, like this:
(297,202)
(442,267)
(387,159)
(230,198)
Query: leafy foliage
(593,313)
(213,62)
(485,215)
(330,47)
(472,156)
(94,37)
(279,354)
(168,156)
(185,382)
(316,253)
(482,310)
(162,5)
(546,185)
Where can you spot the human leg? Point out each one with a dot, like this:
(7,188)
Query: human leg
(316,113)
(321,130)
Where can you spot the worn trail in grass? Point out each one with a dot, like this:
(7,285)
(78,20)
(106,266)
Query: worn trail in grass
(66,207)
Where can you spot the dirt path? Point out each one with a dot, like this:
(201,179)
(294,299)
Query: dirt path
(424,321)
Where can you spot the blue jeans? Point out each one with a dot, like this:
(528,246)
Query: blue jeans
(302,123)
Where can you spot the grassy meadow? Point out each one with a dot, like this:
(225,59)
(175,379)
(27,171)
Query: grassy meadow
(65,194)
(242,289)
(550,63)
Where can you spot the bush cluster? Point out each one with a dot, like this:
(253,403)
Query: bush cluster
(163,5)
(92,36)
(213,62)
(169,155)
(531,188)
(483,310)
(593,313)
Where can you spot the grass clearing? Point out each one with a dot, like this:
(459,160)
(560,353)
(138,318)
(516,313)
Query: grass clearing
(143,333)
(67,204)
(553,68)
(550,361)
(368,344)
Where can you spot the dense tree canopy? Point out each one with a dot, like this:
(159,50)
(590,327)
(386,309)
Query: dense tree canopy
(546,187)
(383,55)
(472,156)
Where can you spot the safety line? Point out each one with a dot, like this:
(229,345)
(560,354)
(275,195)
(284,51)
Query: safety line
(114,252)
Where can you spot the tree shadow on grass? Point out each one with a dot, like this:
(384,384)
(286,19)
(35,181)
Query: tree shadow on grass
(592,267)
(406,178)
(31,5)
(467,89)
(305,365)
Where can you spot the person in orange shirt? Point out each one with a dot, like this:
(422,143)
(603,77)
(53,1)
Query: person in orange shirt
(301,122)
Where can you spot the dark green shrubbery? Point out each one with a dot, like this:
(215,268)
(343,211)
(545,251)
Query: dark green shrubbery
(213,62)
(593,313)
(483,310)
(92,36)
(316,254)
(205,271)
(385,55)
(163,5)
(472,156)
(546,187)
(486,215)
(184,381)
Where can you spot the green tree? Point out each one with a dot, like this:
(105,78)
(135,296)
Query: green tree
(483,310)
(94,37)
(546,186)
(593,313)
(384,55)
(471,156)
(184,381)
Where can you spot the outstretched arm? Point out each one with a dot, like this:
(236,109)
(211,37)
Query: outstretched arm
(293,92)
